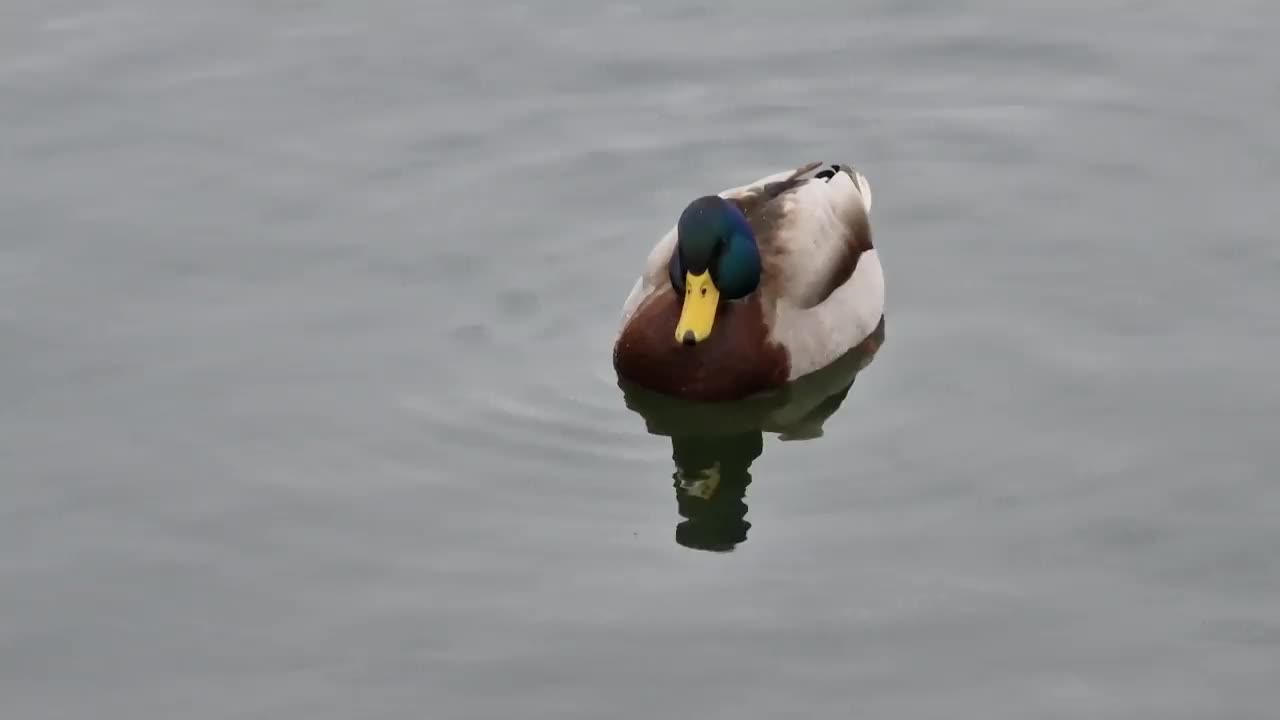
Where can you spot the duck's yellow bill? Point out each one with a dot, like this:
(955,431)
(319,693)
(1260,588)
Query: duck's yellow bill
(701,298)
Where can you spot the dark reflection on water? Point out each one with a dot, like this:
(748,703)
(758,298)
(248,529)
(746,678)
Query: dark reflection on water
(714,444)
(711,479)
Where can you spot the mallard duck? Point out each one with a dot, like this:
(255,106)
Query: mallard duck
(755,287)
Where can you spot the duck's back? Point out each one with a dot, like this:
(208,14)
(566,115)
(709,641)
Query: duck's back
(812,234)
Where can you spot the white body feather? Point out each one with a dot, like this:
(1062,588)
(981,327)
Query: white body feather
(814,229)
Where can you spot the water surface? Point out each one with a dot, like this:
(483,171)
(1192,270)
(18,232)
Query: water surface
(307,411)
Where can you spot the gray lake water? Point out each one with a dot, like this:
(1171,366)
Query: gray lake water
(307,407)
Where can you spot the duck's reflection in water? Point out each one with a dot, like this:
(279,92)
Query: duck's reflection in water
(711,479)
(714,444)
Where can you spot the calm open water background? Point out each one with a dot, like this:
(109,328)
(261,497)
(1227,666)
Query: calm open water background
(307,411)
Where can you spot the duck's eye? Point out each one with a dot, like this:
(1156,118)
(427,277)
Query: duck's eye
(704,292)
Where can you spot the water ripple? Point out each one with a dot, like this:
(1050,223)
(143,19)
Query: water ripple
(560,423)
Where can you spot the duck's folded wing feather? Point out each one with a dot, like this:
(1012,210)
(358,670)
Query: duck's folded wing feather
(812,236)
(830,288)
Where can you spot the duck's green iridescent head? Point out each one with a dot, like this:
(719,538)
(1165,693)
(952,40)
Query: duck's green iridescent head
(716,257)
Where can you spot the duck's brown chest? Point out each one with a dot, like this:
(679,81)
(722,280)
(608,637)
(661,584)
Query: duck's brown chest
(738,358)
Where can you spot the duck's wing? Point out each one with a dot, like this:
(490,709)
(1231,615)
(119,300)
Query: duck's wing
(822,273)
(813,232)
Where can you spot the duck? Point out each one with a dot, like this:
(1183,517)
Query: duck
(755,287)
